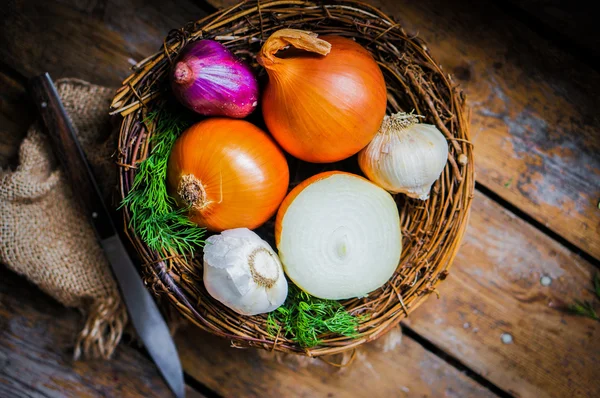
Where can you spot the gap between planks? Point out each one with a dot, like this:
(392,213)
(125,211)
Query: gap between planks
(522,11)
(536,224)
(523,213)
(37,335)
(453,361)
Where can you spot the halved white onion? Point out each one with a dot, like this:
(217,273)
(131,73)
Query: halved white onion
(338,236)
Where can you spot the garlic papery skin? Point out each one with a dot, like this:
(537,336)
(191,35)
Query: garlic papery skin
(243,272)
(405,156)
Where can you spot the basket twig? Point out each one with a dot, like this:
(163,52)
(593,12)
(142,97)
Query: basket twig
(432,230)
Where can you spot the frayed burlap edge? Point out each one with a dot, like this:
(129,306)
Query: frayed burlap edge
(103,329)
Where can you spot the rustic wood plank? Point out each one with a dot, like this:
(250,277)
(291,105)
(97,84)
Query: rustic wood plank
(495,288)
(395,369)
(498,86)
(534,121)
(16,115)
(96,40)
(36,342)
(573,23)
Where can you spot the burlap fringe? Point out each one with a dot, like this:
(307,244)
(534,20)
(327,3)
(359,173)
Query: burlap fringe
(104,325)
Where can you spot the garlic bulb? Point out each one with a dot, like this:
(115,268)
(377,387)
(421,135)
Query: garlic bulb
(405,156)
(243,272)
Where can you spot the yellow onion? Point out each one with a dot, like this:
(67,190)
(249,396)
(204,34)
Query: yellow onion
(338,235)
(229,173)
(325,98)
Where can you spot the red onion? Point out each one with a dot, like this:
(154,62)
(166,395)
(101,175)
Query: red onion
(208,79)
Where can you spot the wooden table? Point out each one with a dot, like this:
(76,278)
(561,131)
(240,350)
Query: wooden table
(531,76)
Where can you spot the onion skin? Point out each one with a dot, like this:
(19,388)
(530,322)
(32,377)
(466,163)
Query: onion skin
(322,108)
(208,79)
(230,173)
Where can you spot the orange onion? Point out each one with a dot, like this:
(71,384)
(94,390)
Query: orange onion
(325,103)
(229,173)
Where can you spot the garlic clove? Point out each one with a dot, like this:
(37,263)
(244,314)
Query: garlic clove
(405,156)
(421,192)
(215,252)
(243,272)
(278,294)
(220,286)
(239,233)
(241,279)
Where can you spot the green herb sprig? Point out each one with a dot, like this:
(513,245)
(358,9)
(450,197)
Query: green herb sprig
(154,216)
(586,308)
(304,317)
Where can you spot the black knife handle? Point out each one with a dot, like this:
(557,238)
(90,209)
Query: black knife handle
(69,153)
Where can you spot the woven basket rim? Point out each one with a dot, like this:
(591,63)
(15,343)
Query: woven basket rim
(433,229)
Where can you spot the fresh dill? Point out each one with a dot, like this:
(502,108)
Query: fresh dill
(154,215)
(586,308)
(304,317)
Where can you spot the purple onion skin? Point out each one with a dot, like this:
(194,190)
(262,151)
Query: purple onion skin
(208,79)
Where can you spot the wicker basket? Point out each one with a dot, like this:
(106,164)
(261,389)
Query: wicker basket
(432,230)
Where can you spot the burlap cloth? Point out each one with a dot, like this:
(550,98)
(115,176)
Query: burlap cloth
(44,234)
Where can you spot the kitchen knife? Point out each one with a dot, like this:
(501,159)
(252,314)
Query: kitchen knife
(143,312)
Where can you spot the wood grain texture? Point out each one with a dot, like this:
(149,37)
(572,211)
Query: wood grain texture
(36,344)
(395,369)
(535,130)
(495,288)
(95,40)
(534,123)
(16,115)
(574,23)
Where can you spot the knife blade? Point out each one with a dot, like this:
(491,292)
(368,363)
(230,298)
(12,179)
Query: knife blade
(143,311)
